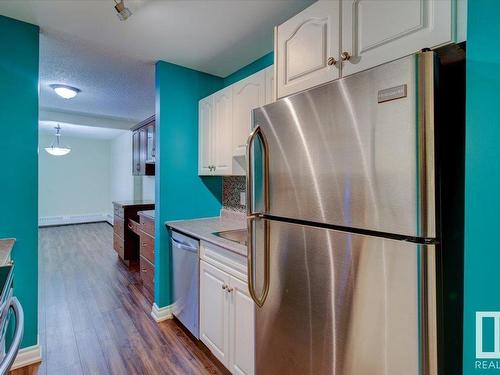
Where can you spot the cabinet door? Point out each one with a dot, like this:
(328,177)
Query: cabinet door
(306,47)
(270,89)
(150,146)
(214,310)
(136,156)
(241,329)
(248,94)
(379,31)
(143,150)
(223,124)
(205,136)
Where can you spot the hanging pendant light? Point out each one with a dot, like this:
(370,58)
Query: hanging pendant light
(55,148)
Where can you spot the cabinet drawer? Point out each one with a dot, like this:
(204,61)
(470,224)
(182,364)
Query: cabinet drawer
(147,226)
(226,260)
(118,226)
(134,226)
(148,247)
(147,275)
(119,246)
(118,210)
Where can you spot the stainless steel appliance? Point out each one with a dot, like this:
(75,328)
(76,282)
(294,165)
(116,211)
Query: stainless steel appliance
(9,303)
(343,221)
(186,280)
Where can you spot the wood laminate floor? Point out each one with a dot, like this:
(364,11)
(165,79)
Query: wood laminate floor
(94,319)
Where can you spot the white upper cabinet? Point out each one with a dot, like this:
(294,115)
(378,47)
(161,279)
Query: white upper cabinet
(225,122)
(355,35)
(223,126)
(270,87)
(205,135)
(307,48)
(248,94)
(378,31)
(215,116)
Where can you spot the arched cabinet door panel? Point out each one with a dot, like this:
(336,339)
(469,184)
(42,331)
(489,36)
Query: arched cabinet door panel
(307,48)
(378,31)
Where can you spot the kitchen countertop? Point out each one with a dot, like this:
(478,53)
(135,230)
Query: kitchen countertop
(203,229)
(6,245)
(148,213)
(133,203)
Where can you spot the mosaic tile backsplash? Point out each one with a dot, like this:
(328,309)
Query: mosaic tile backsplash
(232,186)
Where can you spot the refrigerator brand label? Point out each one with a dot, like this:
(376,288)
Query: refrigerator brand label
(392,93)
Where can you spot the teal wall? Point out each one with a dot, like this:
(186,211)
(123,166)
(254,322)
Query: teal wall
(482,186)
(18,145)
(180,192)
(250,69)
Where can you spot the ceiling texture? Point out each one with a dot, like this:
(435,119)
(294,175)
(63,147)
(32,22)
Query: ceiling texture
(84,44)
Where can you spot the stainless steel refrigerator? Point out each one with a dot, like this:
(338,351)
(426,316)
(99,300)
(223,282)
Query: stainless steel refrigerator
(342,220)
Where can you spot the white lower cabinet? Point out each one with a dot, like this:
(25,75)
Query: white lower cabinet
(241,329)
(227,319)
(214,310)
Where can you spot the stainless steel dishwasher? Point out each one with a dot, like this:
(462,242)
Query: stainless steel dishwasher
(186,276)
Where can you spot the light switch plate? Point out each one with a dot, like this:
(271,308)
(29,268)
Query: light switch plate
(243,198)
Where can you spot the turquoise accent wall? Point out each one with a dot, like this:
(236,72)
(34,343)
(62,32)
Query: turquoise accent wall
(482,185)
(254,67)
(18,145)
(180,192)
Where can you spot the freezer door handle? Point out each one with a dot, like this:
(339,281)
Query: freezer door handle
(257,133)
(258,298)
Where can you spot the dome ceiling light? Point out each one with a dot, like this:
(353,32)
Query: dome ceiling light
(55,148)
(65,91)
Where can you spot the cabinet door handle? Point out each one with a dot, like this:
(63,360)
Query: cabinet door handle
(229,290)
(331,61)
(345,56)
(224,287)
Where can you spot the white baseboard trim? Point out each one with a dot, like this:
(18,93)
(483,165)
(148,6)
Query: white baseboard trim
(71,219)
(160,314)
(110,219)
(28,356)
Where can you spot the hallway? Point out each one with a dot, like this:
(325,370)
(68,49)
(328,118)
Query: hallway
(93,318)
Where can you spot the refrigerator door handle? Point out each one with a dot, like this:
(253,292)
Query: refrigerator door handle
(252,216)
(259,299)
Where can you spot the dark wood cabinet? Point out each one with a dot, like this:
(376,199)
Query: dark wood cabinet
(125,239)
(144,148)
(147,252)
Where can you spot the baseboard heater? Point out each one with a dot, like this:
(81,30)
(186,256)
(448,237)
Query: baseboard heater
(73,219)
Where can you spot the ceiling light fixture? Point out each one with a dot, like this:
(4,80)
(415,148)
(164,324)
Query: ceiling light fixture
(123,11)
(64,91)
(55,148)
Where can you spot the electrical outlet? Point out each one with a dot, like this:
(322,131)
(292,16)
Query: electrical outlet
(243,198)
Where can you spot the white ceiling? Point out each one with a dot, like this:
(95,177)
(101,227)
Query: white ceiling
(85,45)
(79,131)
(111,84)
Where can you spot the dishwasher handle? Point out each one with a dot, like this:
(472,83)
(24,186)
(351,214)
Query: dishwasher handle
(184,246)
(9,358)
